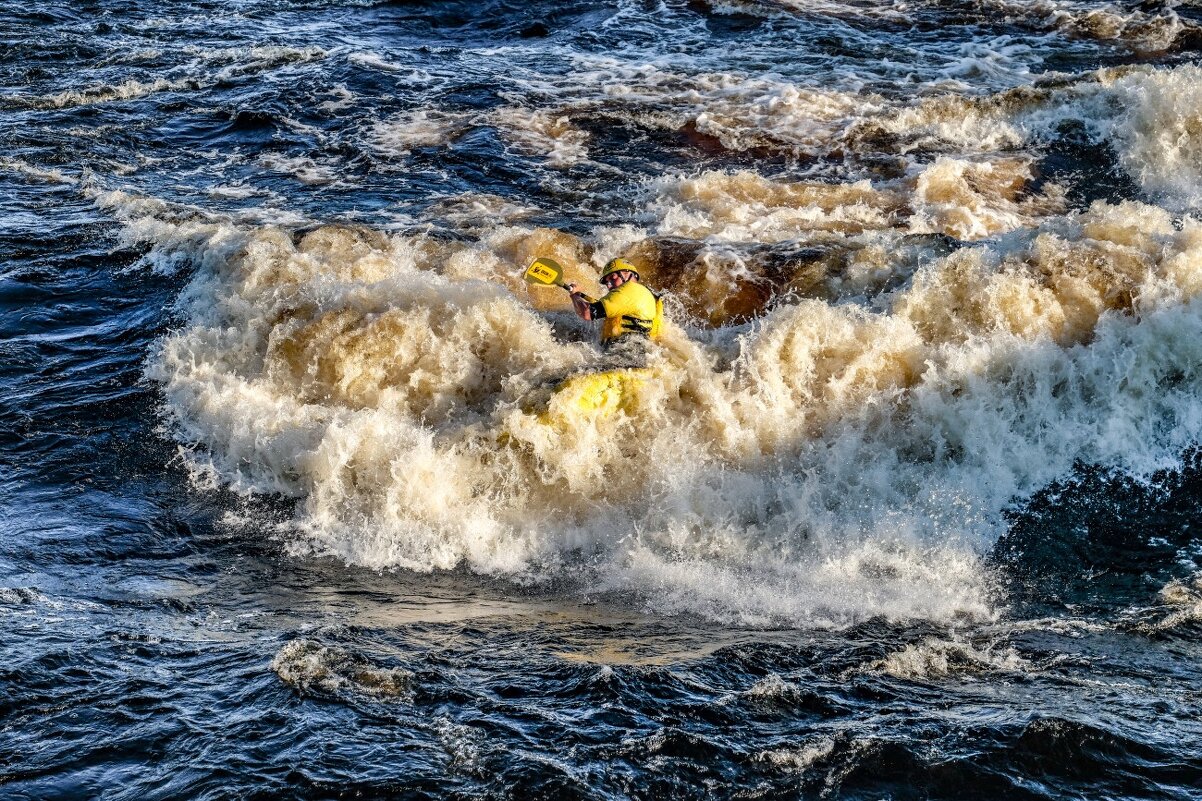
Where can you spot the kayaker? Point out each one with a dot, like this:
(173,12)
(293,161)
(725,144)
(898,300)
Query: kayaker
(632,313)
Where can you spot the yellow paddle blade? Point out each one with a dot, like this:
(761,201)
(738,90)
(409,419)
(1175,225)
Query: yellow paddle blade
(545,272)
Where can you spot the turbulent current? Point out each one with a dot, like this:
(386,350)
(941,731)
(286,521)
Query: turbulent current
(292,507)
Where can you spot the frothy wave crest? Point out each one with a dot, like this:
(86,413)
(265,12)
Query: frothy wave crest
(826,462)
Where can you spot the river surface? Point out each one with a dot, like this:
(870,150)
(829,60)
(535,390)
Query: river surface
(905,505)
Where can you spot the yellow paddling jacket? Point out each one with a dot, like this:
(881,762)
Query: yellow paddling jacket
(631,309)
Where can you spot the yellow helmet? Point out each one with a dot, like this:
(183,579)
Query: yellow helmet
(617,266)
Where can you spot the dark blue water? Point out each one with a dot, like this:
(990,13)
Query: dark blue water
(221,571)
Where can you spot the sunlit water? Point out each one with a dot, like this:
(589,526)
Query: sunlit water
(289,507)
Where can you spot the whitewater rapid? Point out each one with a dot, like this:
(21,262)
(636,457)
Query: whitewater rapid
(904,505)
(861,378)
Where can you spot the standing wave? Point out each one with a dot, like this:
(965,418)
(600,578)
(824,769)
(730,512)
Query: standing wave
(825,462)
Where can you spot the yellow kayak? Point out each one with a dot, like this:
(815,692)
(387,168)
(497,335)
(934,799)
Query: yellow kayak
(592,394)
(587,396)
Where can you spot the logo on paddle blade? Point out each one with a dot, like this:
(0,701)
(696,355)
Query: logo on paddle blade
(544,271)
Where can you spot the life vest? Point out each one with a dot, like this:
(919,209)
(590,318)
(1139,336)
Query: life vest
(631,309)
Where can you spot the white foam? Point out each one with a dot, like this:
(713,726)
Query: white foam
(895,12)
(462,743)
(254,59)
(304,169)
(409,74)
(1181,606)
(1149,115)
(542,132)
(235,191)
(46,174)
(341,98)
(21,596)
(309,666)
(479,212)
(798,759)
(402,133)
(107,93)
(741,112)
(191,76)
(847,463)
(1158,131)
(1142,30)
(965,199)
(534,131)
(936,658)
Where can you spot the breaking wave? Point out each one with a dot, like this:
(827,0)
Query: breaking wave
(865,370)
(851,458)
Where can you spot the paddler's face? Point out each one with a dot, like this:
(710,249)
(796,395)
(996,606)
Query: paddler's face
(614,280)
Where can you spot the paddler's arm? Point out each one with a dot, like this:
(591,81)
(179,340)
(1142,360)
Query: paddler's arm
(586,308)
